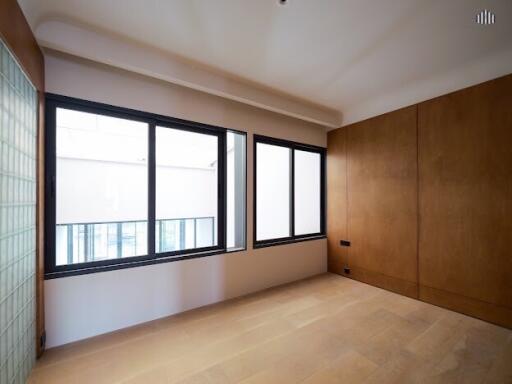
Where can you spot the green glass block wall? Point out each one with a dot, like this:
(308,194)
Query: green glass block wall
(18,128)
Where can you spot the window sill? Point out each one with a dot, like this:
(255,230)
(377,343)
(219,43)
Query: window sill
(133,264)
(271,243)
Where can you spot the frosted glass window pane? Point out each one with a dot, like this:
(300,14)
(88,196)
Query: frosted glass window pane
(235,219)
(205,232)
(307,192)
(186,190)
(272,192)
(102,187)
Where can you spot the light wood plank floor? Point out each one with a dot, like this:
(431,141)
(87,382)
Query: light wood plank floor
(326,329)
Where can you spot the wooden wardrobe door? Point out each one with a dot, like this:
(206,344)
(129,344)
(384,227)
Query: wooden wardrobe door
(465,169)
(336,200)
(382,200)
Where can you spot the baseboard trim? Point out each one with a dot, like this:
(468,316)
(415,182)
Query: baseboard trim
(492,313)
(393,284)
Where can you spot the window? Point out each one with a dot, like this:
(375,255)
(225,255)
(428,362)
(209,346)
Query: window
(273,192)
(236,189)
(187,192)
(101,187)
(308,192)
(127,188)
(289,191)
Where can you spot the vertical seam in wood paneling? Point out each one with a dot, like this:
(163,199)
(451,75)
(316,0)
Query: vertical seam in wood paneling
(417,202)
(347,233)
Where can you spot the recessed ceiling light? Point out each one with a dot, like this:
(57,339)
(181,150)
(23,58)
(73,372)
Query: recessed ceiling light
(485,17)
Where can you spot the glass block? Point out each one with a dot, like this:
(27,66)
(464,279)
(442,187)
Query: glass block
(18,132)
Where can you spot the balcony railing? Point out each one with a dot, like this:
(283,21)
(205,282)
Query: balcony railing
(85,242)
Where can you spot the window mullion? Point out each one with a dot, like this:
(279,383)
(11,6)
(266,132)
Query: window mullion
(151,189)
(50,186)
(222,190)
(292,192)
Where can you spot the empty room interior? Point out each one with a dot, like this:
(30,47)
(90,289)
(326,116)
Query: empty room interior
(255,191)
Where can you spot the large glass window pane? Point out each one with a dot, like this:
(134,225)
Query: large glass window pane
(101,187)
(307,192)
(186,190)
(272,192)
(235,160)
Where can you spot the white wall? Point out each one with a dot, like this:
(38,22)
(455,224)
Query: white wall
(83,306)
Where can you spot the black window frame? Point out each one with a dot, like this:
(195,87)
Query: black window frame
(52,102)
(292,145)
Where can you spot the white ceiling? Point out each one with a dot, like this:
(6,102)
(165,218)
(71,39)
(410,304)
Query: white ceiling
(352,56)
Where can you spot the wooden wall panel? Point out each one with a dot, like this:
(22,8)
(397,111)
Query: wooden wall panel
(336,200)
(465,175)
(447,236)
(382,200)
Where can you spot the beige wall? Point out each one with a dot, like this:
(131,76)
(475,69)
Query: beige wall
(83,306)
